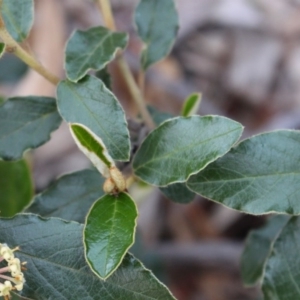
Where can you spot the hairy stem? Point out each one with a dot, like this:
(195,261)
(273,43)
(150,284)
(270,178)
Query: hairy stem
(12,46)
(125,70)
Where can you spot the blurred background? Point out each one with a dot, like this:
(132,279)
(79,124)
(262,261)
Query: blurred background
(243,56)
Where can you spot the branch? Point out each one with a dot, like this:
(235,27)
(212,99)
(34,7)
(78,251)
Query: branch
(125,70)
(13,47)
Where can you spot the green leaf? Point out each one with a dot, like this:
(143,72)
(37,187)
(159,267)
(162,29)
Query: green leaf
(12,69)
(178,192)
(2,100)
(282,277)
(70,197)
(92,49)
(260,175)
(56,268)
(93,147)
(183,146)
(109,232)
(2,49)
(157,24)
(16,187)
(258,247)
(105,77)
(26,123)
(91,104)
(18,17)
(158,116)
(191,105)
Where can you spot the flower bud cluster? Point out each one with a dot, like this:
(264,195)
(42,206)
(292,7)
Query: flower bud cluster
(115,183)
(14,267)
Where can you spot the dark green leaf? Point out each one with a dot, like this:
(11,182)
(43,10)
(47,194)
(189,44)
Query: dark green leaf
(16,187)
(2,49)
(191,105)
(282,277)
(56,267)
(258,247)
(157,24)
(183,146)
(158,116)
(105,77)
(12,69)
(178,192)
(260,175)
(2,100)
(26,123)
(92,49)
(18,17)
(109,232)
(91,104)
(70,197)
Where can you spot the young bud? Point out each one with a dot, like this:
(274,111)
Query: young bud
(14,266)
(109,186)
(118,178)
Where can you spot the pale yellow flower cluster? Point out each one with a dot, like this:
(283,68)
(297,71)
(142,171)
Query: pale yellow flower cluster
(14,267)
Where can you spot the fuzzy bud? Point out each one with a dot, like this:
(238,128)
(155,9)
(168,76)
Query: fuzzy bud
(118,179)
(109,186)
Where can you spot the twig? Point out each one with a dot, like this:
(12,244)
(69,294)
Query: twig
(107,14)
(13,47)
(135,92)
(125,70)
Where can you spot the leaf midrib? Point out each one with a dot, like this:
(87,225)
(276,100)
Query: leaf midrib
(171,153)
(90,54)
(112,227)
(89,274)
(27,123)
(244,178)
(78,96)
